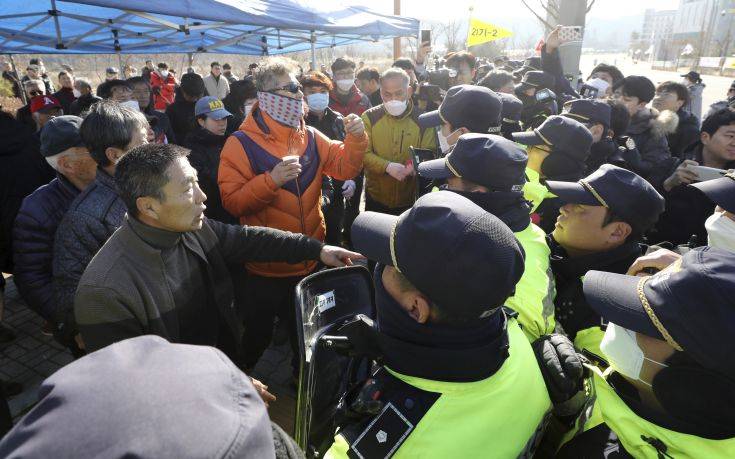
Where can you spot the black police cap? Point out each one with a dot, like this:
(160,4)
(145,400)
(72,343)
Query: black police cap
(624,192)
(588,111)
(690,305)
(537,79)
(512,108)
(473,107)
(561,134)
(721,191)
(465,260)
(485,159)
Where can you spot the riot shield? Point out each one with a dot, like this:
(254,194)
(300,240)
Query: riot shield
(324,302)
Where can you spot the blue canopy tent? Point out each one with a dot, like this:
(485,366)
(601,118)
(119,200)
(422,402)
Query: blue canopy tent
(255,27)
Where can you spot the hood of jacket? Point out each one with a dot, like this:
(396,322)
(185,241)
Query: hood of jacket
(147,398)
(660,123)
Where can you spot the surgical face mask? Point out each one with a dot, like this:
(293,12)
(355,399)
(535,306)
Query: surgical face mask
(395,107)
(623,354)
(131,104)
(318,101)
(164,73)
(720,231)
(443,144)
(77,93)
(345,85)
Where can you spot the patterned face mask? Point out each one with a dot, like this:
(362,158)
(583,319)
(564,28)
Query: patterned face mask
(283,109)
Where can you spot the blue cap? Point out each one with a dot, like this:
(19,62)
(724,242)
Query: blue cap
(485,159)
(588,111)
(690,305)
(512,108)
(464,259)
(473,107)
(624,192)
(59,134)
(212,107)
(721,191)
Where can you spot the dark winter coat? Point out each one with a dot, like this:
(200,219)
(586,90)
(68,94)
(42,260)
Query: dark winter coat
(649,128)
(82,104)
(687,133)
(92,218)
(204,157)
(33,243)
(181,116)
(66,98)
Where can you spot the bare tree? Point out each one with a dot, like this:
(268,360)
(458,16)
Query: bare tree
(451,30)
(551,9)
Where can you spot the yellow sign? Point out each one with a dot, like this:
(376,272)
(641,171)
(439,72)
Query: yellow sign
(481,32)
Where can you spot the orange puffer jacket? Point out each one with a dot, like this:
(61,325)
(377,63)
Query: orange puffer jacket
(256,199)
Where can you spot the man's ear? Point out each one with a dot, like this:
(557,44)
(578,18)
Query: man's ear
(114,154)
(409,92)
(147,206)
(705,138)
(620,232)
(419,308)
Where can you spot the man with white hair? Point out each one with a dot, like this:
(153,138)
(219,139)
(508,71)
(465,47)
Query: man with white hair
(270,174)
(41,212)
(392,128)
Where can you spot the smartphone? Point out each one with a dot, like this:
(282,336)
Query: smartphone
(705,173)
(425,36)
(419,155)
(570,33)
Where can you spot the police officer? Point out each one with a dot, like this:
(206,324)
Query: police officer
(489,170)
(557,150)
(511,115)
(600,227)
(537,105)
(459,376)
(720,225)
(670,387)
(465,108)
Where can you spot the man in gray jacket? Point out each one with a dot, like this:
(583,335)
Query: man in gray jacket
(164,272)
(216,84)
(108,131)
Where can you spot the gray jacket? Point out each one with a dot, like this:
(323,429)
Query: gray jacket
(695,100)
(217,88)
(92,218)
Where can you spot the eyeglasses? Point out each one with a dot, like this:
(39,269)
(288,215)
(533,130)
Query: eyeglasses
(292,87)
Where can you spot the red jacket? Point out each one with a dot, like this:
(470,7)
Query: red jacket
(163,90)
(356,103)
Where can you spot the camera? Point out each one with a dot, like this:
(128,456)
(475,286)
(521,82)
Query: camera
(442,77)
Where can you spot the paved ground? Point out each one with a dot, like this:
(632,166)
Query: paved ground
(33,356)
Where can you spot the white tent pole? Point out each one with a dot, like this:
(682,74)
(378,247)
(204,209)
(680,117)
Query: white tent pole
(313,51)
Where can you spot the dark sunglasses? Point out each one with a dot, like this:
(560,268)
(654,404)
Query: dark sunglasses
(36,93)
(291,87)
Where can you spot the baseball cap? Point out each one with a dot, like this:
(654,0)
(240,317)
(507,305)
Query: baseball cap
(44,103)
(624,192)
(588,111)
(465,260)
(474,107)
(721,191)
(60,134)
(690,305)
(512,108)
(692,75)
(212,107)
(111,70)
(485,159)
(127,377)
(537,79)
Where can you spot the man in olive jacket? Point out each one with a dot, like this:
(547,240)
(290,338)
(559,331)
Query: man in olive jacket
(164,272)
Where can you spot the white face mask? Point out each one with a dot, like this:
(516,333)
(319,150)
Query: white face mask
(164,73)
(443,143)
(623,354)
(720,231)
(318,101)
(247,108)
(76,92)
(131,104)
(395,107)
(345,85)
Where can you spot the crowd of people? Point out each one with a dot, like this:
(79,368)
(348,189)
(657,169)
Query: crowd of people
(549,257)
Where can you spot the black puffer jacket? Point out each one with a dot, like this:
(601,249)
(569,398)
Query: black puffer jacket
(22,170)
(687,133)
(181,116)
(649,128)
(33,243)
(204,157)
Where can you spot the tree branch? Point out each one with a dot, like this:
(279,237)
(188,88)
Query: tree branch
(589,7)
(546,24)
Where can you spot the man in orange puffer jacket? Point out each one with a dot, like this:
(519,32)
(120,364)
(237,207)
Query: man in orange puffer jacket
(262,188)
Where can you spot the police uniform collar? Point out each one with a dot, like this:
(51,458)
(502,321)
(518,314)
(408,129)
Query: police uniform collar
(615,260)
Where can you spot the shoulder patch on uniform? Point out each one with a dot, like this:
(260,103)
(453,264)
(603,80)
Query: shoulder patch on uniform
(383,435)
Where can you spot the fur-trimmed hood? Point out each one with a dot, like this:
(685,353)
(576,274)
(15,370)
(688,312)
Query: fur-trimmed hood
(659,123)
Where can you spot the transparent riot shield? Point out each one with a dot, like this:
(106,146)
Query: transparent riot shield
(324,302)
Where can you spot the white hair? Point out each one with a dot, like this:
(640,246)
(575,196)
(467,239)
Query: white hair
(270,70)
(29,83)
(53,161)
(395,72)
